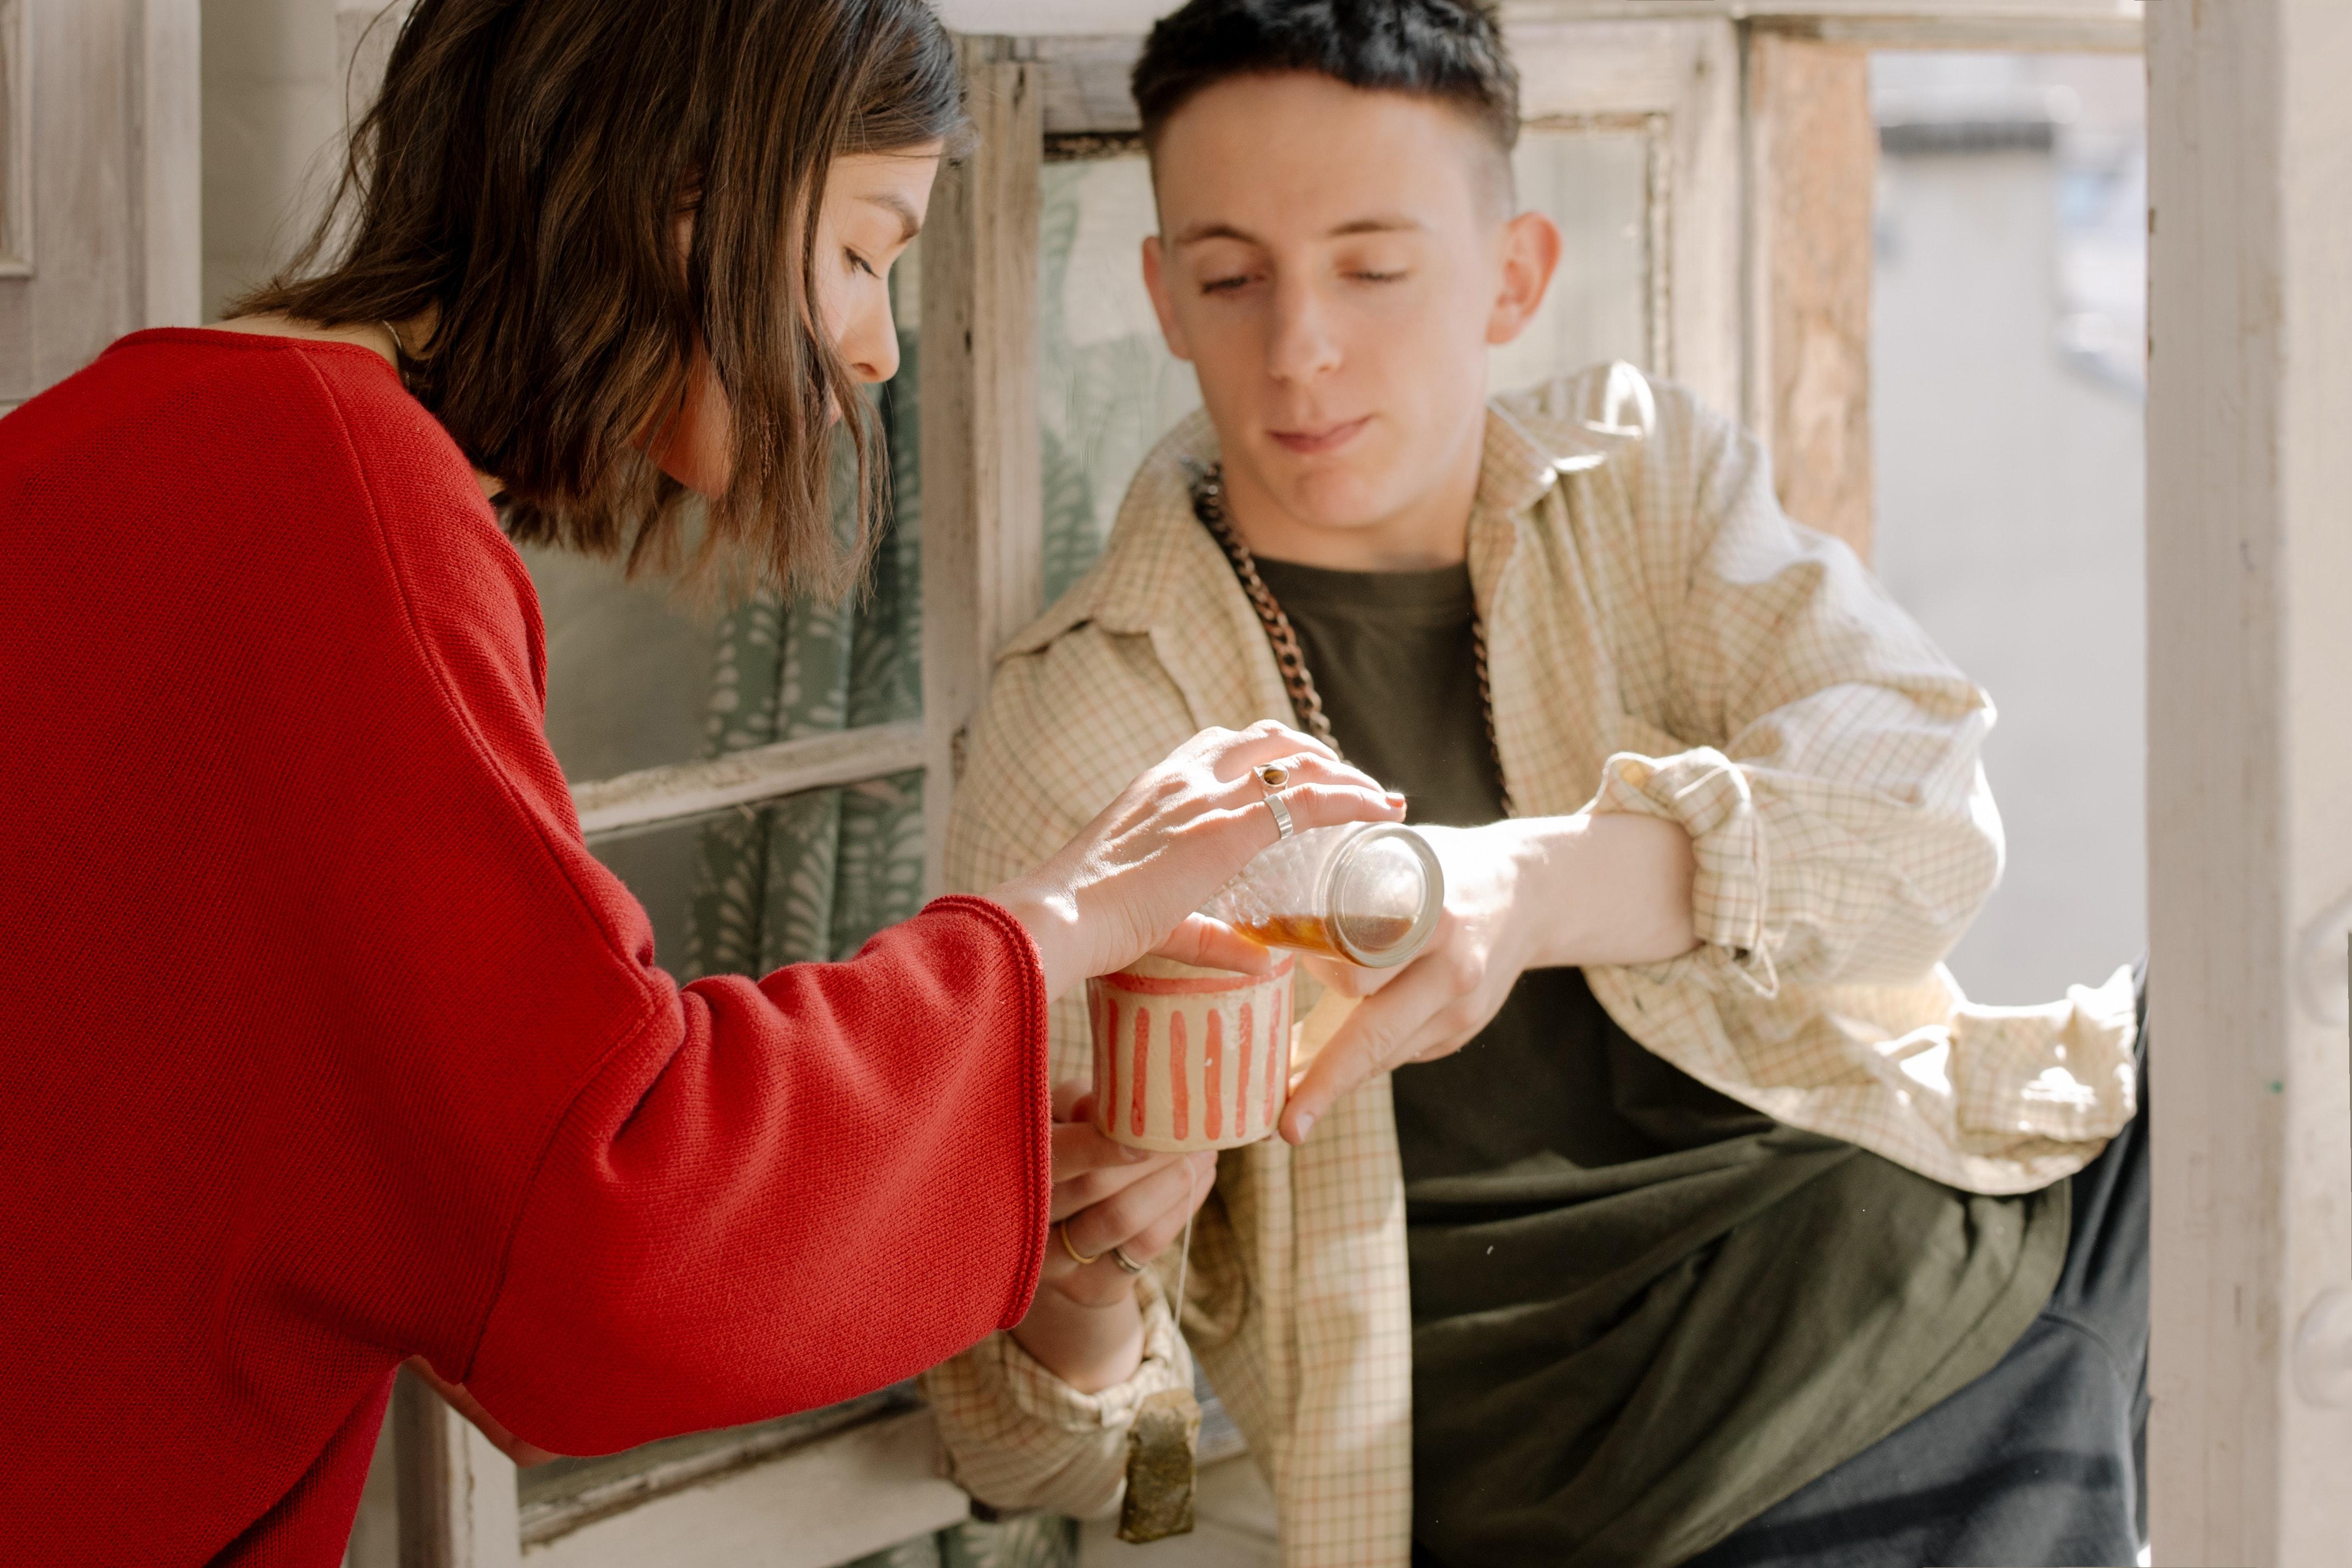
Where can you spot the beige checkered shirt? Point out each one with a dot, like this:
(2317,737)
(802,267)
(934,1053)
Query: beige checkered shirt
(1663,640)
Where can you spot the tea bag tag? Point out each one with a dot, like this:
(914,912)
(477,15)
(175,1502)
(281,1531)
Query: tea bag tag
(1160,1448)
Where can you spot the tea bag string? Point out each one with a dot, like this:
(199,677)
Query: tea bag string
(1208,487)
(1183,1267)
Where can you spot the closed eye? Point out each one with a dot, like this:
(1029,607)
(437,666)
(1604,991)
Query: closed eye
(860,263)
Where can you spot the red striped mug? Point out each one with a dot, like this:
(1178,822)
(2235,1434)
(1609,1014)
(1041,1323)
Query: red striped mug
(1188,1058)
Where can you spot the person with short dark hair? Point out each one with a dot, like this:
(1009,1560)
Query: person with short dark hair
(327,1041)
(1674,1206)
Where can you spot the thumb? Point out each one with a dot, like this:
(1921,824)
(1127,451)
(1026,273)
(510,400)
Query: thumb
(1372,1038)
(1211,944)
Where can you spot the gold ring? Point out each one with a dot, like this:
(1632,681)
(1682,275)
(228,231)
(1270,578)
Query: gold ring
(1272,775)
(1067,1247)
(1127,1264)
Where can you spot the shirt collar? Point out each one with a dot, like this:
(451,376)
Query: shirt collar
(1158,557)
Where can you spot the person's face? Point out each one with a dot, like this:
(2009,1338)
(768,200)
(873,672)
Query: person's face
(1335,263)
(874,204)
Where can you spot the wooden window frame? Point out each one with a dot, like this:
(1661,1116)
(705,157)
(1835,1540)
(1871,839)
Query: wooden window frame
(16,142)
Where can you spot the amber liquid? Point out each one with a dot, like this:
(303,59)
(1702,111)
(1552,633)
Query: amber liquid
(1310,934)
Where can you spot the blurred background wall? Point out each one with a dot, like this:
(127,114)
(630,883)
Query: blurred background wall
(2007,374)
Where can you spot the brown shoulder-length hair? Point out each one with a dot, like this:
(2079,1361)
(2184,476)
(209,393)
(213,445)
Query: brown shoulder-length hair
(519,177)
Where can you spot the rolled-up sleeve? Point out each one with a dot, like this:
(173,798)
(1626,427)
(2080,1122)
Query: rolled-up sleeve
(1842,828)
(1019,1438)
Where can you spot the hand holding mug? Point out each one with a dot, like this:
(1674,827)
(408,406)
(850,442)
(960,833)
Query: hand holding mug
(1115,1210)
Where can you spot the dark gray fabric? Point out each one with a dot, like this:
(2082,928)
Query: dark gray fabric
(2043,1460)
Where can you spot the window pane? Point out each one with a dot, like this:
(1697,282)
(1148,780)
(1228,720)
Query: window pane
(1107,387)
(1593,180)
(562,1495)
(2006,400)
(628,674)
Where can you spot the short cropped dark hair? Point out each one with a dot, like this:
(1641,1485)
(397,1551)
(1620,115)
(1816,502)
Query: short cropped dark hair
(1451,50)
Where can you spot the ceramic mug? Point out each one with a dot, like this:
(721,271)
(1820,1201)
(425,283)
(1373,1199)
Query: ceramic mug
(1188,1058)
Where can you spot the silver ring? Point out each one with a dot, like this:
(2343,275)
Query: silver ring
(1126,1264)
(1283,826)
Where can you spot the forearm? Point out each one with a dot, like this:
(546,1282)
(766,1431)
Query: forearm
(1611,888)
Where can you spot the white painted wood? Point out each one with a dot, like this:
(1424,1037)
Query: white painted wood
(2250,775)
(171,133)
(983,512)
(654,797)
(104,93)
(15,143)
(1688,73)
(868,1488)
(457,1503)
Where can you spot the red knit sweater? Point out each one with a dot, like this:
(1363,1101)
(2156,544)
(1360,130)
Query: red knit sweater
(326,1042)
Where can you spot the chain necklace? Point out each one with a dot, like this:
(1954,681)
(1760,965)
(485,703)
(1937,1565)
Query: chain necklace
(1208,486)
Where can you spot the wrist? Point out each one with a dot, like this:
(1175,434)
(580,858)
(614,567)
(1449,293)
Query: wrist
(1611,888)
(1091,1347)
(1553,908)
(1051,918)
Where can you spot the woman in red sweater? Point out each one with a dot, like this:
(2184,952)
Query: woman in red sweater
(326,1040)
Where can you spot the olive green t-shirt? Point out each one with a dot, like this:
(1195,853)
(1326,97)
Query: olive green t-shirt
(1643,1312)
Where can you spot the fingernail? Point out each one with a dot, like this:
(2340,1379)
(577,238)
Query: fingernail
(1306,1125)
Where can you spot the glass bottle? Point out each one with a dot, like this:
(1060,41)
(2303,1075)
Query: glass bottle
(1367,892)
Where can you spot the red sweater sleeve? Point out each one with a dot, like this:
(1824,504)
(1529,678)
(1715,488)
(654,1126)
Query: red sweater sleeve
(329,1040)
(749,1198)
(778,1194)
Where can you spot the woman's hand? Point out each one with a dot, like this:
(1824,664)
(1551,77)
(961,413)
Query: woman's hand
(1085,1326)
(1130,882)
(1528,893)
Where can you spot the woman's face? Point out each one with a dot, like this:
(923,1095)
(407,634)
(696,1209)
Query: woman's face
(874,204)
